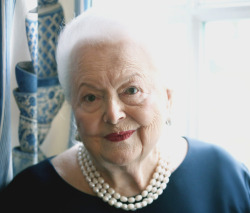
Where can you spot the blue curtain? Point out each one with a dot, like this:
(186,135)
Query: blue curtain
(7,9)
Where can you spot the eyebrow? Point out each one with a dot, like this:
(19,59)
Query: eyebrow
(133,76)
(87,85)
(129,78)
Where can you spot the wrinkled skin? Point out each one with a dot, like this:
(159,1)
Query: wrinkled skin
(115,88)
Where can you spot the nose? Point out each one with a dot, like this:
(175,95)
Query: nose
(114,112)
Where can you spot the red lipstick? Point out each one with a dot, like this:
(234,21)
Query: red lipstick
(119,136)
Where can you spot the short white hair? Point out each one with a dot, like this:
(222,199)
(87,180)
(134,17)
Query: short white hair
(95,26)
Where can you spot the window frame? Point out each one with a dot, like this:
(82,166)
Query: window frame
(198,16)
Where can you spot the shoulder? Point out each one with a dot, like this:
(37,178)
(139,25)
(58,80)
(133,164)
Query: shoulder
(29,186)
(220,168)
(212,153)
(214,156)
(40,172)
(42,182)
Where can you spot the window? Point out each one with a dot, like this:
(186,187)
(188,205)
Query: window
(210,55)
(224,86)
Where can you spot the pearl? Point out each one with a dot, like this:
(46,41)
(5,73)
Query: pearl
(97,174)
(108,195)
(91,174)
(152,182)
(138,197)
(163,185)
(99,186)
(92,185)
(150,195)
(168,173)
(100,180)
(157,184)
(88,179)
(95,189)
(159,169)
(155,188)
(161,177)
(138,205)
(95,181)
(105,186)
(149,188)
(131,200)
(149,200)
(159,191)
(118,204)
(104,191)
(155,175)
(166,180)
(112,201)
(131,206)
(144,193)
(125,206)
(105,198)
(124,199)
(111,191)
(155,196)
(144,203)
(117,195)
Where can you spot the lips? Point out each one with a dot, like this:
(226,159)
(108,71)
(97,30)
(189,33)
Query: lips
(120,136)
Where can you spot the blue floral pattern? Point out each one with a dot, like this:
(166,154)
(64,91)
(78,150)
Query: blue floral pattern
(28,134)
(32,36)
(26,103)
(50,100)
(40,102)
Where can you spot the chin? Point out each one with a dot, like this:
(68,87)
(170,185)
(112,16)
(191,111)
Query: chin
(121,157)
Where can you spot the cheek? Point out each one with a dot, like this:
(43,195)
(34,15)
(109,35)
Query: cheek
(150,113)
(87,124)
(152,117)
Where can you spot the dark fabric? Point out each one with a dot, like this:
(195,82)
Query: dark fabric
(208,181)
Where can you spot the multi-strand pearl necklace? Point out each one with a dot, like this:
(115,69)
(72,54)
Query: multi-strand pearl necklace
(157,184)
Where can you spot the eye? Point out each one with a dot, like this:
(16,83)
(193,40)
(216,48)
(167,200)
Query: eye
(89,98)
(131,91)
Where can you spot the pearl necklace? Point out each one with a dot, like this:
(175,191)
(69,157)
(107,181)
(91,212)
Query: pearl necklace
(157,184)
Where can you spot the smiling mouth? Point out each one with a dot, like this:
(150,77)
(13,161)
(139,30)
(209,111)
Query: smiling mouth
(119,136)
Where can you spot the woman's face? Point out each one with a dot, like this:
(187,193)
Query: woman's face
(119,107)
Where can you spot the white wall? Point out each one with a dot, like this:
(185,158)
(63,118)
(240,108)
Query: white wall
(58,136)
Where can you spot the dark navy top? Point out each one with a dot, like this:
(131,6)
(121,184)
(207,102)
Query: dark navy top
(208,181)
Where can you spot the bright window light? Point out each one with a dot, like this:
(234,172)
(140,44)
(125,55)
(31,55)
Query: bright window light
(211,79)
(224,87)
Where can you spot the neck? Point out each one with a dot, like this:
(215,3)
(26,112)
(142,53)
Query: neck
(131,179)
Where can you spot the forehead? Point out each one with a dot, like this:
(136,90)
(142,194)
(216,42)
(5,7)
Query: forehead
(117,58)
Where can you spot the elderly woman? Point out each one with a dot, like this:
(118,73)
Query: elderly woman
(125,160)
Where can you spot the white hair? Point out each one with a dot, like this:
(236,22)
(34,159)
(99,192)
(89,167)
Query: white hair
(95,26)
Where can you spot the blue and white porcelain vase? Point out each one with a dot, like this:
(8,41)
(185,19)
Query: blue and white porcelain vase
(26,99)
(43,25)
(39,95)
